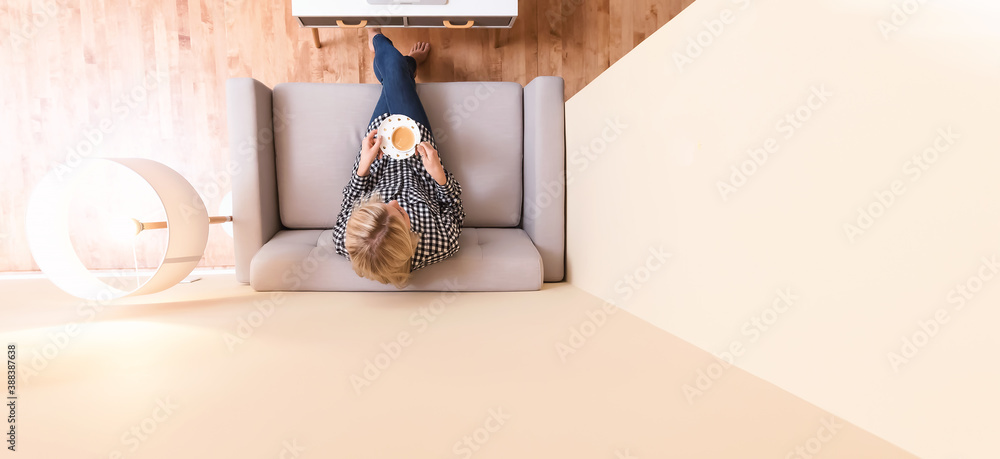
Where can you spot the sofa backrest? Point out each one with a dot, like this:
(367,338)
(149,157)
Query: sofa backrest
(478,127)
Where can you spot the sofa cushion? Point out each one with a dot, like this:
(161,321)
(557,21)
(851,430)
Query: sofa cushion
(490,259)
(478,128)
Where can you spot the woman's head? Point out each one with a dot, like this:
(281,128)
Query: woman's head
(379,241)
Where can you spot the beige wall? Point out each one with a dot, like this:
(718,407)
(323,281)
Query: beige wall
(879,97)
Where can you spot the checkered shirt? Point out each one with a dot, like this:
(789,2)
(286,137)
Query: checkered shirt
(435,210)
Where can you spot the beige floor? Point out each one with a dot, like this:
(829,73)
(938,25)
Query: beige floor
(287,387)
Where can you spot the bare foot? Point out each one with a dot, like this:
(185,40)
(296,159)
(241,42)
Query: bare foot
(372,32)
(420,51)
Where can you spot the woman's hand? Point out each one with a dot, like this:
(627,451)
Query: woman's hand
(432,162)
(371,149)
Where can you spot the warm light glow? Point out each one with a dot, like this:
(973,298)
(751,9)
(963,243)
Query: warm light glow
(226,208)
(48,227)
(126,228)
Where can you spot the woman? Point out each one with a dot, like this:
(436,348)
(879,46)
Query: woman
(398,215)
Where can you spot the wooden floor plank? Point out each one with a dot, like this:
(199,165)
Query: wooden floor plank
(549,22)
(90,54)
(576,39)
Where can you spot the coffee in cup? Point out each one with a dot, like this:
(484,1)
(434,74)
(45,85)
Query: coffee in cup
(403,138)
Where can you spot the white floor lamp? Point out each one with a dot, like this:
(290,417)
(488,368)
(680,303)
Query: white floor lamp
(48,230)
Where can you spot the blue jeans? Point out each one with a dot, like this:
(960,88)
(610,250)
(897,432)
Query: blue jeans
(396,72)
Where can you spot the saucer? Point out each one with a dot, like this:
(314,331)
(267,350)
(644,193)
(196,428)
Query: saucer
(389,126)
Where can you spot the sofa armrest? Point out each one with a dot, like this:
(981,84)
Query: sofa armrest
(251,150)
(545,173)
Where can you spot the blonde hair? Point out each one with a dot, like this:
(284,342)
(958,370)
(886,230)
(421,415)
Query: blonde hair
(380,247)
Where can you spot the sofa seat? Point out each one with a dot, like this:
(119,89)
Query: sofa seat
(490,259)
(293,149)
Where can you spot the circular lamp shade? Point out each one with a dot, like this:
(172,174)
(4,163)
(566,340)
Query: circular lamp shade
(49,231)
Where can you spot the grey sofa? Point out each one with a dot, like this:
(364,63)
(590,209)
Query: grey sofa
(293,150)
